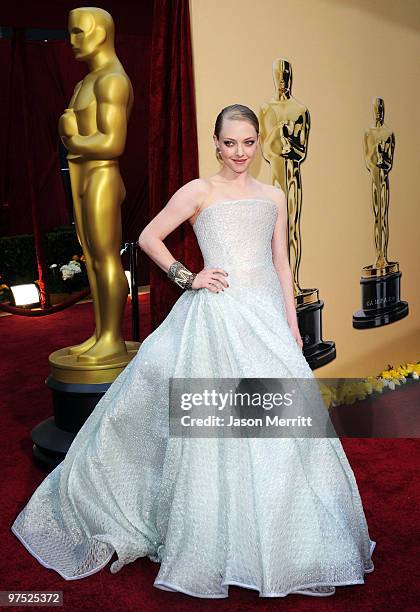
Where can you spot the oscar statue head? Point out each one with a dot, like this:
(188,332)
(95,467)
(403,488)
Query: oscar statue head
(379,110)
(91,30)
(282,75)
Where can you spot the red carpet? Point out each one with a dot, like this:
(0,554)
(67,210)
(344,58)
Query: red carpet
(386,471)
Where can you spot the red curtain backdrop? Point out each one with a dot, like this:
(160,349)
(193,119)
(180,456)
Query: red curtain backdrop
(5,122)
(37,80)
(173,150)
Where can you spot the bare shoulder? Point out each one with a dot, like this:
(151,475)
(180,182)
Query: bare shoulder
(277,195)
(195,190)
(274,193)
(187,200)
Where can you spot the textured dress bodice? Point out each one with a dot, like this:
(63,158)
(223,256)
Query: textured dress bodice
(236,235)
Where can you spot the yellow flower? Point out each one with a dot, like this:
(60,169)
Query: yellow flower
(328,394)
(350,391)
(413,368)
(377,384)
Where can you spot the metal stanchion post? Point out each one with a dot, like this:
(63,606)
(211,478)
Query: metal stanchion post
(135,331)
(131,248)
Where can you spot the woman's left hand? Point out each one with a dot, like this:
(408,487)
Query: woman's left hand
(296,334)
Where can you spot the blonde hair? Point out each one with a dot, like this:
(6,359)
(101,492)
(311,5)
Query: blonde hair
(239,112)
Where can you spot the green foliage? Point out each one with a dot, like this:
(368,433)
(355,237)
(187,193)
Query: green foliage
(18,261)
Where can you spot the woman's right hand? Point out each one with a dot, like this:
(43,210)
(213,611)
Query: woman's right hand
(211,278)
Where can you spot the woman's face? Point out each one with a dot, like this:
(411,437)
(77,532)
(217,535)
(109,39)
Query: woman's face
(238,143)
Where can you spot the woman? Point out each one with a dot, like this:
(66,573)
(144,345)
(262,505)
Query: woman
(276,515)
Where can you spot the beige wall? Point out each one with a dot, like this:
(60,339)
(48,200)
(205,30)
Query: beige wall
(343,55)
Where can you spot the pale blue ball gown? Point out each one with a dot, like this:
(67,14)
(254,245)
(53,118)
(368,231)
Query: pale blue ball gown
(279,515)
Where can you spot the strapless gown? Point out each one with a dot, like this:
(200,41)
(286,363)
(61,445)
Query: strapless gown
(277,514)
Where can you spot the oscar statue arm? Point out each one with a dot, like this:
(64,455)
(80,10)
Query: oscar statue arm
(387,154)
(112,94)
(304,134)
(268,130)
(369,152)
(262,120)
(299,144)
(391,151)
(67,124)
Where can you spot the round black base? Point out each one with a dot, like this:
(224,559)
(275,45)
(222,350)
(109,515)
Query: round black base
(320,354)
(72,403)
(363,319)
(51,444)
(317,352)
(381,302)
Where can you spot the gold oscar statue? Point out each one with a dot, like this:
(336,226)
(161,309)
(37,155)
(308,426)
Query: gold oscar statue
(93,129)
(379,154)
(284,129)
(381,281)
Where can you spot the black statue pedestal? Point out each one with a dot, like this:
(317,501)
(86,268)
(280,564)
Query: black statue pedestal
(381,302)
(76,389)
(72,403)
(317,352)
